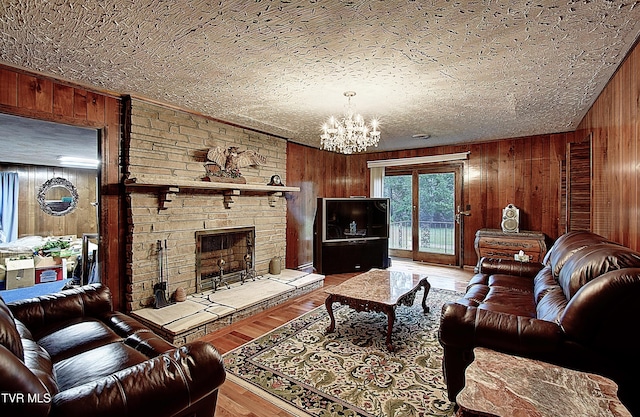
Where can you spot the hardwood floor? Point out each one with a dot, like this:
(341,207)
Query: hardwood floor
(235,401)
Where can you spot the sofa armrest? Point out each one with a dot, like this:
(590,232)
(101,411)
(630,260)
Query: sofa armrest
(466,327)
(23,394)
(463,328)
(162,386)
(89,300)
(490,266)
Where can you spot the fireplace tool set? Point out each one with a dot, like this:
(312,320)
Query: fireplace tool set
(160,289)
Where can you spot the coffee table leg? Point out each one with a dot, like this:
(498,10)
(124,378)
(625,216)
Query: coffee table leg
(329,303)
(391,318)
(427,287)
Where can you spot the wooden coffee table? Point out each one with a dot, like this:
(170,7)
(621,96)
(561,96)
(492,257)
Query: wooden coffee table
(378,290)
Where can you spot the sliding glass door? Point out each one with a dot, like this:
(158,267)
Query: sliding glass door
(423,212)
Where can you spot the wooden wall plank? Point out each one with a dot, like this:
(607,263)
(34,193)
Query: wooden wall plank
(35,93)
(63,100)
(80,104)
(8,87)
(95,107)
(634,136)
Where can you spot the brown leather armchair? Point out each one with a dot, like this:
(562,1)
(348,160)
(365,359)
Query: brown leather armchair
(578,310)
(69,354)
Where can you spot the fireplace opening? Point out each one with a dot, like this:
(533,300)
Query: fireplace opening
(224,256)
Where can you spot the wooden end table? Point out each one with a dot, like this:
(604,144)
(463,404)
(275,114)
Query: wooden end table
(380,291)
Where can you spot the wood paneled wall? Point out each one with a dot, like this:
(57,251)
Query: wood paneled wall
(33,221)
(614,122)
(522,171)
(31,95)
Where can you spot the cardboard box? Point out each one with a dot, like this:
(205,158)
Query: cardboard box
(49,274)
(20,273)
(46,261)
(4,255)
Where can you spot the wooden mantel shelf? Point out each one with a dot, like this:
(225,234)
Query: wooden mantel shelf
(168,188)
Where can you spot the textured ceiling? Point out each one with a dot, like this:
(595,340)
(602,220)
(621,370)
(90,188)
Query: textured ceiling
(459,71)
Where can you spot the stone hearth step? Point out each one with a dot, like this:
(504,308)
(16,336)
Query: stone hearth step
(209,311)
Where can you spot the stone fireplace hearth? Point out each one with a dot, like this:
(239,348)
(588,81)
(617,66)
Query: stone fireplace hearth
(209,311)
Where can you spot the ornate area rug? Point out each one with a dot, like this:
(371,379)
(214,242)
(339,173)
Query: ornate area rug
(350,372)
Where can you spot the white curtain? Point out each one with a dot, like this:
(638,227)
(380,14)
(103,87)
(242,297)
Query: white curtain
(376,176)
(8,206)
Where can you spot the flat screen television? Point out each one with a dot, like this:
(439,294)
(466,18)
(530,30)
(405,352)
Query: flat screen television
(354,218)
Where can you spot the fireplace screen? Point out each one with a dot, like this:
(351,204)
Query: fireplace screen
(224,256)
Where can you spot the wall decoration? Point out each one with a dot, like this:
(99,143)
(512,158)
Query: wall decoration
(224,165)
(58,197)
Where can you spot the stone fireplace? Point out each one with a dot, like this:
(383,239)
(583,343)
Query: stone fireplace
(224,256)
(167,200)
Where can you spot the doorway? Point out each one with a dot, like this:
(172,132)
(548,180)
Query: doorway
(57,203)
(423,223)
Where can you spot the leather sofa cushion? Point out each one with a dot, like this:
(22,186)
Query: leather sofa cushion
(37,360)
(543,283)
(475,294)
(506,300)
(552,305)
(501,293)
(567,244)
(71,337)
(62,306)
(591,262)
(509,281)
(501,280)
(15,377)
(96,363)
(9,336)
(86,349)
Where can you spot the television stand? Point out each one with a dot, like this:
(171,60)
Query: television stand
(352,256)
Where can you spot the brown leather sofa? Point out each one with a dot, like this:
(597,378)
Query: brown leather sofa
(69,354)
(578,309)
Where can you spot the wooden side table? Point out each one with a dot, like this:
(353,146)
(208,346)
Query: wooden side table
(495,243)
(501,385)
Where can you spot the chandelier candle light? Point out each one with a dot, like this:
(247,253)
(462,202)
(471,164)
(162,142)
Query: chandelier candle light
(350,134)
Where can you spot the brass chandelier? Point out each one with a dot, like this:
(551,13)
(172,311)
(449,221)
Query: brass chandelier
(349,134)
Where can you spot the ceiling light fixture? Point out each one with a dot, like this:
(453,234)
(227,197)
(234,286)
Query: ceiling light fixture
(73,161)
(350,134)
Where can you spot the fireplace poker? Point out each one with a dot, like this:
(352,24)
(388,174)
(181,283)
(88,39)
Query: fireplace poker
(160,289)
